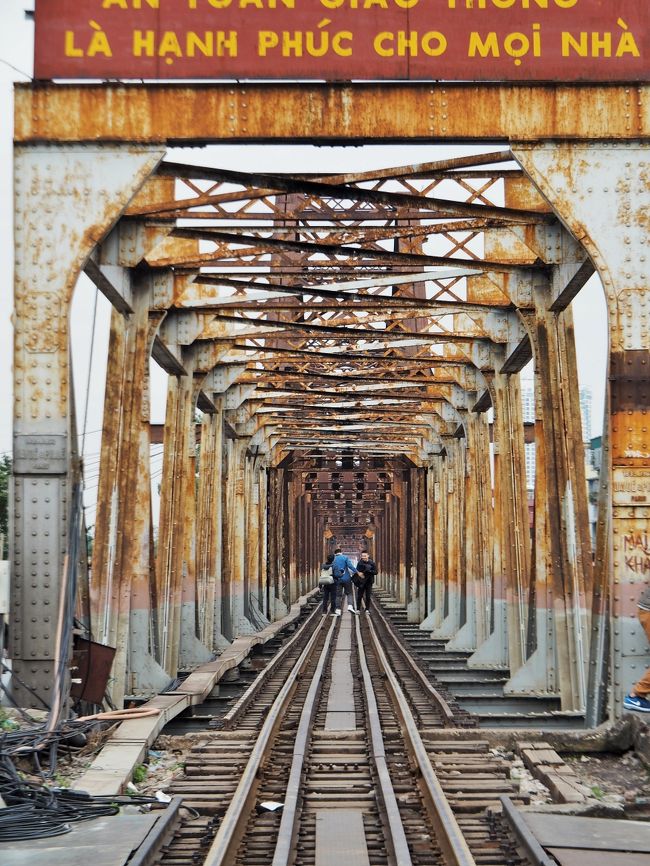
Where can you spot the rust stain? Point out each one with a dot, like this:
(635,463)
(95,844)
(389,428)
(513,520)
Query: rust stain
(394,112)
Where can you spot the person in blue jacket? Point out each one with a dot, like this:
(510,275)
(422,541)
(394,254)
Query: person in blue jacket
(343,568)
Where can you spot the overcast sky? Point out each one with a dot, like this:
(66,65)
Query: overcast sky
(16,38)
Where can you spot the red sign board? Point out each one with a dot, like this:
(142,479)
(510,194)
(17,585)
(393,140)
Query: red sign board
(344,40)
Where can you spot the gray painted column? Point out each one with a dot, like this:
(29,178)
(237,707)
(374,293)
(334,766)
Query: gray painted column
(66,199)
(601,192)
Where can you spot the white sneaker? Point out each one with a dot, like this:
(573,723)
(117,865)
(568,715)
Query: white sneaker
(337,612)
(353,610)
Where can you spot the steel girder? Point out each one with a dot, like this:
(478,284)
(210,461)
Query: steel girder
(476,331)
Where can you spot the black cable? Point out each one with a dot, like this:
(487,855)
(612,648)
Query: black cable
(34,811)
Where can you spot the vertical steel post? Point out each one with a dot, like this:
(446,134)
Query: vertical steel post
(505,645)
(66,198)
(122,569)
(601,191)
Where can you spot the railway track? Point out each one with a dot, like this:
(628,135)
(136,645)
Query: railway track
(330,756)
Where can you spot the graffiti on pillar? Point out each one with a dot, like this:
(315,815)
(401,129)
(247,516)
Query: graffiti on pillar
(636,549)
(507,40)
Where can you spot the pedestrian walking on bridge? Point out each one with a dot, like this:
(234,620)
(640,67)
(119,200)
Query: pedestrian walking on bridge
(330,590)
(365,578)
(343,569)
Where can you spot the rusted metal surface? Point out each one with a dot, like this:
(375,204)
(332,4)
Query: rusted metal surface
(330,112)
(122,587)
(620,557)
(344,336)
(59,193)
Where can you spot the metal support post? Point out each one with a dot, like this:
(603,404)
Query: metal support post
(454,547)
(563,548)
(506,643)
(209,529)
(601,191)
(122,569)
(73,194)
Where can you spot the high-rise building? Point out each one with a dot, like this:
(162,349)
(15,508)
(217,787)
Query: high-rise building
(528,410)
(585,414)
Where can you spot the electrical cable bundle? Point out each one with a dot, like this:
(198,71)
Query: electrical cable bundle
(35,811)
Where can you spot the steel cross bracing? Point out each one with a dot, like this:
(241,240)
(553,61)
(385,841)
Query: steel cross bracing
(343,337)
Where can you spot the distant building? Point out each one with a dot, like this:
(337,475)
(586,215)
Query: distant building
(585,414)
(528,410)
(593,464)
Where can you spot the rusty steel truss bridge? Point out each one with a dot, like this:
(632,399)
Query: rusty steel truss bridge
(353,344)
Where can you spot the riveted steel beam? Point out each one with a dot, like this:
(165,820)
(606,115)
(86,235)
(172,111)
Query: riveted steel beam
(57,192)
(331,112)
(614,234)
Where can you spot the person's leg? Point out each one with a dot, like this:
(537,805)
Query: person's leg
(338,589)
(368,591)
(347,589)
(642,688)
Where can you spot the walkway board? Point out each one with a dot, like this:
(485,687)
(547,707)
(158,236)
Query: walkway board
(585,857)
(595,834)
(340,838)
(103,842)
(341,714)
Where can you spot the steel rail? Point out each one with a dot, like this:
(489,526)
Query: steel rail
(448,834)
(524,834)
(398,841)
(288,824)
(448,720)
(245,699)
(224,846)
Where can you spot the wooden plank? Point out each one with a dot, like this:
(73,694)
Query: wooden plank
(533,757)
(340,838)
(595,834)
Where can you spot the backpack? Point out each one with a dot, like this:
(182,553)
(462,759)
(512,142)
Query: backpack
(326,578)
